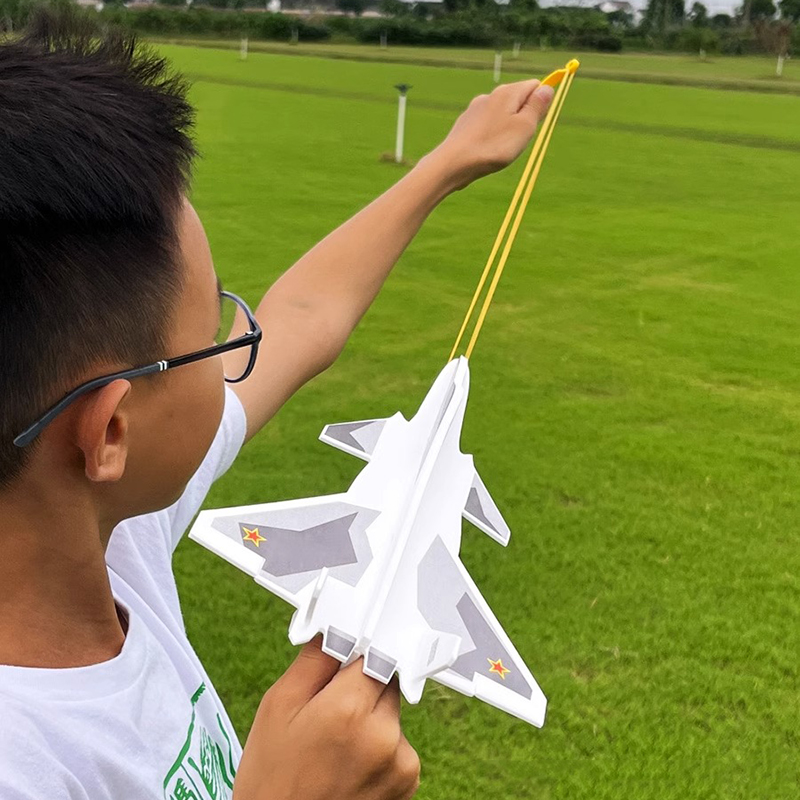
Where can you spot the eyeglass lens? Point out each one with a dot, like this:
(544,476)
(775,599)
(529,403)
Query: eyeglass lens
(233,323)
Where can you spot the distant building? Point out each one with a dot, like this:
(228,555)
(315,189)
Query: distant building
(610,6)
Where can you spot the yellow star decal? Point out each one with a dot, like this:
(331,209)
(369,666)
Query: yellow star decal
(497,668)
(252,535)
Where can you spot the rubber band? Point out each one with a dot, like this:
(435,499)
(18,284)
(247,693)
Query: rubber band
(563,80)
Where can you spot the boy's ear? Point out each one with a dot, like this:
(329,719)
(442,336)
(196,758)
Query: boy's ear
(102,432)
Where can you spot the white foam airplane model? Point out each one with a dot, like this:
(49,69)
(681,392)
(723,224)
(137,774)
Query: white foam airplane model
(375,569)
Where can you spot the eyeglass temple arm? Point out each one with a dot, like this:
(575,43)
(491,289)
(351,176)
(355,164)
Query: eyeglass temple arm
(31,432)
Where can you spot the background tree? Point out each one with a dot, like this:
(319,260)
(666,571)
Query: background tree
(394,8)
(524,5)
(620,19)
(420,11)
(355,7)
(661,15)
(790,9)
(698,15)
(773,36)
(761,10)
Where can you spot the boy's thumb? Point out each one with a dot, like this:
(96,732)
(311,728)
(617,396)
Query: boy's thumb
(539,100)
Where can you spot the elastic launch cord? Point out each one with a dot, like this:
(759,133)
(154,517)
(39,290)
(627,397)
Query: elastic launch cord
(563,80)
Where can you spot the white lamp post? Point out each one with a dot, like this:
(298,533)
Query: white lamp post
(401,121)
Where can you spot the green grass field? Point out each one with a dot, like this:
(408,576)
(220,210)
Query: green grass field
(752,72)
(635,411)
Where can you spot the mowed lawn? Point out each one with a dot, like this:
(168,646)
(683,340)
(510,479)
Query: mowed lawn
(635,411)
(754,71)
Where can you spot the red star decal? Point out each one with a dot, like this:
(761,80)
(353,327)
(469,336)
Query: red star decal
(252,535)
(498,668)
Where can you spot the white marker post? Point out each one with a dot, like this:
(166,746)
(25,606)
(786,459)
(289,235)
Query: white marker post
(517,46)
(401,121)
(295,35)
(243,49)
(779,67)
(498,64)
(384,42)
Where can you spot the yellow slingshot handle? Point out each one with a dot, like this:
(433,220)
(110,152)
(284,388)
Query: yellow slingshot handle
(554,78)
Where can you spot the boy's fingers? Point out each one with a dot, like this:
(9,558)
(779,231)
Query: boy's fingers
(308,674)
(519,92)
(408,765)
(362,690)
(389,701)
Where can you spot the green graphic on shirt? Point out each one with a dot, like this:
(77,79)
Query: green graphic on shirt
(201,771)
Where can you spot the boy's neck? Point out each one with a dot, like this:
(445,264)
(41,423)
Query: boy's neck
(56,605)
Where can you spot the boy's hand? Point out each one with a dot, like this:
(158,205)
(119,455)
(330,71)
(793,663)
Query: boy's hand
(493,130)
(325,734)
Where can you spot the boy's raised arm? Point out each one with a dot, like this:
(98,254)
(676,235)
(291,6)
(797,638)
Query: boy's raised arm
(309,313)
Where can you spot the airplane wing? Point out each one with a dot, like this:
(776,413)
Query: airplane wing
(356,438)
(285,546)
(488,666)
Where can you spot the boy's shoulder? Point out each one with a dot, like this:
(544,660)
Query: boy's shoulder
(32,755)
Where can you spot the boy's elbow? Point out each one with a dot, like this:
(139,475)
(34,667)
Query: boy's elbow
(326,339)
(318,328)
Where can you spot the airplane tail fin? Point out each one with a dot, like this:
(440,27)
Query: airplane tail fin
(439,650)
(483,513)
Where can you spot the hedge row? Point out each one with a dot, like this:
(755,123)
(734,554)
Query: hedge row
(589,30)
(201,21)
(583,29)
(455,30)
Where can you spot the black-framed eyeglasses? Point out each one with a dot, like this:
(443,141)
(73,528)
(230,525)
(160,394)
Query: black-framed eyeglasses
(229,305)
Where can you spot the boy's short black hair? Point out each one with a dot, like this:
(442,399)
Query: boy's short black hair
(95,157)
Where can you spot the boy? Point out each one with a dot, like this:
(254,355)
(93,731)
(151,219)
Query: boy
(106,282)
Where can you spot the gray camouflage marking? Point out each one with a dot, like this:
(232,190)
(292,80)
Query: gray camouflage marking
(289,552)
(368,434)
(434,648)
(488,646)
(346,565)
(444,601)
(439,588)
(480,505)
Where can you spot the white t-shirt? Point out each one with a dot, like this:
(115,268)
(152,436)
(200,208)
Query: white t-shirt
(148,723)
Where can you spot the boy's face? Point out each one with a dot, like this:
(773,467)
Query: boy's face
(173,418)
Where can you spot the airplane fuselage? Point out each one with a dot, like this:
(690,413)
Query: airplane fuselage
(418,480)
